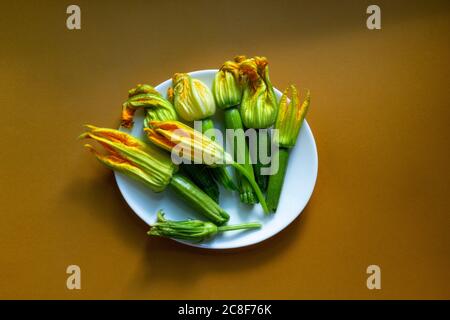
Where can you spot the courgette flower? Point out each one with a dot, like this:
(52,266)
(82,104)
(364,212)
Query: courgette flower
(132,157)
(289,121)
(290,118)
(259,103)
(226,87)
(153,167)
(192,230)
(191,145)
(146,97)
(192,99)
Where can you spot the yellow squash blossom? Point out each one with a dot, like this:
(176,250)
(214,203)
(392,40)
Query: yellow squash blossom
(259,103)
(176,136)
(192,144)
(132,157)
(290,118)
(146,97)
(151,166)
(226,87)
(192,99)
(289,121)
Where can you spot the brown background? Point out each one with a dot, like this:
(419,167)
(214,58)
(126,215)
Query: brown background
(380,116)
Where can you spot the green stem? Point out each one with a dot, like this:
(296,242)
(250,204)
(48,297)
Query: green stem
(233,121)
(250,225)
(254,185)
(276,180)
(261,179)
(207,124)
(220,174)
(198,199)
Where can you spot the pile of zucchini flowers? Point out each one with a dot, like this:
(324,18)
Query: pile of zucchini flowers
(243,91)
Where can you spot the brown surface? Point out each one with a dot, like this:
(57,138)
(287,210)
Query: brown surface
(380,115)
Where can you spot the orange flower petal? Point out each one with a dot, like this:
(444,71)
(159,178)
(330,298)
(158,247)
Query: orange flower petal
(116,136)
(127,117)
(159,139)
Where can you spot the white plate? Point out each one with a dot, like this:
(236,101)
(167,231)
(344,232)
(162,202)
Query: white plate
(297,189)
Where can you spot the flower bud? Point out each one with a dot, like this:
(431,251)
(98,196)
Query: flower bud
(259,103)
(193,100)
(226,87)
(290,118)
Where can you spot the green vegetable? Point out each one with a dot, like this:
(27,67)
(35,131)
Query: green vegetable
(198,199)
(276,181)
(289,121)
(151,166)
(262,180)
(259,105)
(203,178)
(170,135)
(220,174)
(194,101)
(233,121)
(157,108)
(192,230)
(227,91)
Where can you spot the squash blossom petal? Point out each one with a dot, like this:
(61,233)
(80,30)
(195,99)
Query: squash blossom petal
(132,157)
(193,145)
(120,164)
(259,103)
(226,87)
(146,97)
(192,99)
(290,118)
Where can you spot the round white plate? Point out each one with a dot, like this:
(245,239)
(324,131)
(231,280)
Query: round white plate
(297,189)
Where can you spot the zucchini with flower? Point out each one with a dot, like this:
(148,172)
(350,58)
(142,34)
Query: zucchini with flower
(192,145)
(156,107)
(288,123)
(258,108)
(151,166)
(192,230)
(227,93)
(194,101)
